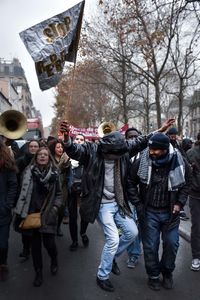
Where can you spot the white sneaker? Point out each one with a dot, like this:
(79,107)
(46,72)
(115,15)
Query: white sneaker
(195,264)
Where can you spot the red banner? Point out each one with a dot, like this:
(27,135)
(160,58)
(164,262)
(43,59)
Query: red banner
(89,133)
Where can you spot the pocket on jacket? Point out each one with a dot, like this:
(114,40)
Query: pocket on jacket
(52,217)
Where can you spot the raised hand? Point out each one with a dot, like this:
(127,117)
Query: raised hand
(65,127)
(166,125)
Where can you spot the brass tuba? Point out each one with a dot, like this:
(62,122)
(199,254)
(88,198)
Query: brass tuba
(13,124)
(105,128)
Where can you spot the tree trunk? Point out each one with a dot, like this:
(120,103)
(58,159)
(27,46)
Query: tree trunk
(180,108)
(157,99)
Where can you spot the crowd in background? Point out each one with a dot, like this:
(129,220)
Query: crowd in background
(46,176)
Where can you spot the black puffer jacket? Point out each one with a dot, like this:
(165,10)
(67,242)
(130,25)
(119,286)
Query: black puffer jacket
(91,156)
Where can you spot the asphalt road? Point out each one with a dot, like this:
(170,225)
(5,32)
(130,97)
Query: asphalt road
(76,279)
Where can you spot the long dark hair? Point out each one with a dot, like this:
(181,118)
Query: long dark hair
(51,160)
(52,145)
(6,159)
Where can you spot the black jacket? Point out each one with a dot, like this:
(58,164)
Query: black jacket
(139,193)
(8,189)
(193,156)
(91,156)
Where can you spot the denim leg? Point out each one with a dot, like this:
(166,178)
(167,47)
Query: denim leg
(106,220)
(170,247)
(129,232)
(134,249)
(151,241)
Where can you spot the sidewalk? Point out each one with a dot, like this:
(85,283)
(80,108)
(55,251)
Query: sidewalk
(185,226)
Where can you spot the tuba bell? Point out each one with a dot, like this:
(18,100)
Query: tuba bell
(13,124)
(105,128)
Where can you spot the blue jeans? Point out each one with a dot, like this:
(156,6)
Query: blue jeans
(110,220)
(134,249)
(156,224)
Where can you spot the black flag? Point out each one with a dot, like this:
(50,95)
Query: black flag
(52,42)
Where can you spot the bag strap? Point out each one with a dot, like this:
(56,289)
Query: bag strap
(45,202)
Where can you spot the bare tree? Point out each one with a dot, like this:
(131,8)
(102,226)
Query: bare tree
(185,56)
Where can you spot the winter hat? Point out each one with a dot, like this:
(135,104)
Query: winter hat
(159,141)
(172,130)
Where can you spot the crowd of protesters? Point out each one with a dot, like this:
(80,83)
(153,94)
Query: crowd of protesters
(134,186)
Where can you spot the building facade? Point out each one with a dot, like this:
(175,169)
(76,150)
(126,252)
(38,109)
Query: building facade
(14,86)
(195,114)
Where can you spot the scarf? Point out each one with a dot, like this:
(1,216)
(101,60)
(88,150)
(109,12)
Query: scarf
(176,176)
(44,177)
(119,193)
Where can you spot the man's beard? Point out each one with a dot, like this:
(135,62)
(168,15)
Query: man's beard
(157,157)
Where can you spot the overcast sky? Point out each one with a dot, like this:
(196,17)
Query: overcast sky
(16,16)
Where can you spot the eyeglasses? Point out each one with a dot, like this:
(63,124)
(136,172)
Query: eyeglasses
(79,139)
(42,153)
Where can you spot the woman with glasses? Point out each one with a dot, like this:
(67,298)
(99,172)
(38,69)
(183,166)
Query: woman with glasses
(40,192)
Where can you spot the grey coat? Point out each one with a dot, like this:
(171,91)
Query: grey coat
(53,198)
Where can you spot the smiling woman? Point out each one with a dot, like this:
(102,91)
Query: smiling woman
(40,191)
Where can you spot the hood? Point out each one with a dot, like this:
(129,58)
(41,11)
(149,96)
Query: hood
(113,143)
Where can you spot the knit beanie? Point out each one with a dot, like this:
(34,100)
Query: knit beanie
(159,141)
(172,130)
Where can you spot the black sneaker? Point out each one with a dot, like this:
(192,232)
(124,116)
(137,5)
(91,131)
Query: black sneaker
(115,269)
(167,282)
(105,285)
(38,278)
(73,246)
(154,284)
(85,240)
(54,266)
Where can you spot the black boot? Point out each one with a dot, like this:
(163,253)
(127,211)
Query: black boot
(115,269)
(4,272)
(54,266)
(38,278)
(85,240)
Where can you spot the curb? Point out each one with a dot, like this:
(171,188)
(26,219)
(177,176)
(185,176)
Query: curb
(184,234)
